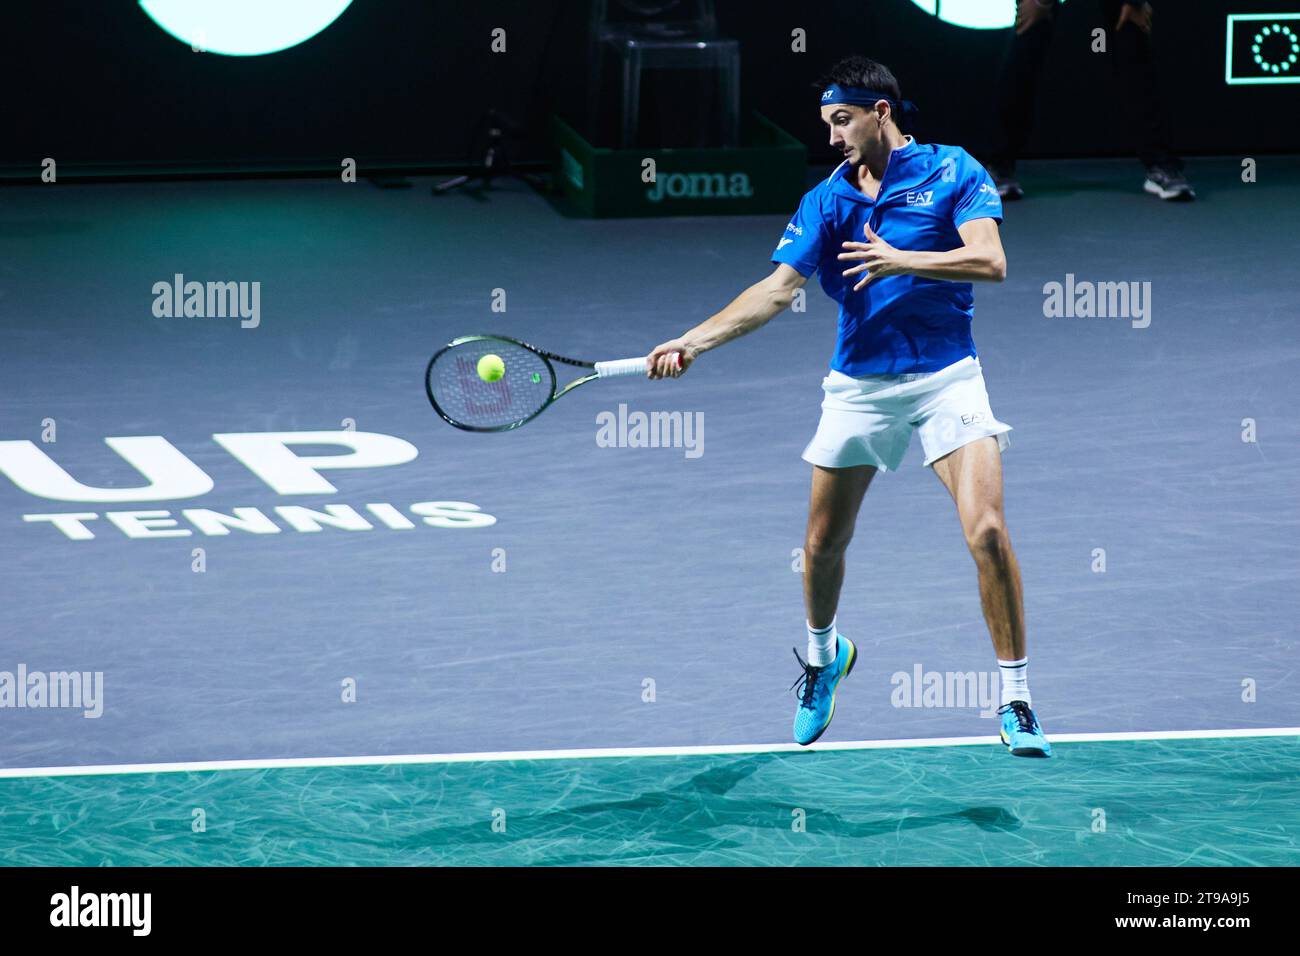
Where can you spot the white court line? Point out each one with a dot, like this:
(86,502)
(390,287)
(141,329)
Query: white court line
(289,762)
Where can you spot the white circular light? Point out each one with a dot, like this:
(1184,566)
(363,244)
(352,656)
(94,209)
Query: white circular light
(972,14)
(243,27)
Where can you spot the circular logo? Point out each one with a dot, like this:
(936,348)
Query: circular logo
(1275,49)
(972,14)
(243,27)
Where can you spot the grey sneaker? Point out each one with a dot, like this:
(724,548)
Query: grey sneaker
(1168,184)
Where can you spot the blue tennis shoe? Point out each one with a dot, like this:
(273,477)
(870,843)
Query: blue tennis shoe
(816,690)
(1021,732)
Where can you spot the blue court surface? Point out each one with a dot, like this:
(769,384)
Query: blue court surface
(576,653)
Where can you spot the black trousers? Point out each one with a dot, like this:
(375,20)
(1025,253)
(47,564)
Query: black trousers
(1129,51)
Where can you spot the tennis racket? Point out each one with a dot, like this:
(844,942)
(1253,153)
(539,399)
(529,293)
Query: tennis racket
(527,388)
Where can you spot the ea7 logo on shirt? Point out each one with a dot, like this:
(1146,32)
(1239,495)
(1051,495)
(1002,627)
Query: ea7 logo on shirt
(925,198)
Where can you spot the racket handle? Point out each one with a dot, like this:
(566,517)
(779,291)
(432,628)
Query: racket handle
(619,367)
(632,366)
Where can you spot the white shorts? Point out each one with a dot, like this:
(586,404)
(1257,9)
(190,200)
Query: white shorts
(870,420)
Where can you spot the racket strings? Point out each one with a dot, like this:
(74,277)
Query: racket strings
(463,396)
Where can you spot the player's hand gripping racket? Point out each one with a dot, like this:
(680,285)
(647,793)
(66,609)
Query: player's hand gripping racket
(469,388)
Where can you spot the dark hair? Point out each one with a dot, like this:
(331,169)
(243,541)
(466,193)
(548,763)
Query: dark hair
(863,72)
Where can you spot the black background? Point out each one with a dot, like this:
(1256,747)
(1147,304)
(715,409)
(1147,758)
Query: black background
(408,80)
(649,905)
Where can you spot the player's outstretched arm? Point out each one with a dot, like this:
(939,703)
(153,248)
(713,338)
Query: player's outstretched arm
(752,309)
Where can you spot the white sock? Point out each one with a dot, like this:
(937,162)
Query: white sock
(1015,681)
(821,644)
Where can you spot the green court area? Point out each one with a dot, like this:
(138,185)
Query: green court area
(1223,802)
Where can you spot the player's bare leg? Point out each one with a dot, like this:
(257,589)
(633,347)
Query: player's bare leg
(832,513)
(973,476)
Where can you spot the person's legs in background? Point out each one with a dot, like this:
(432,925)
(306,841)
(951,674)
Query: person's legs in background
(1131,57)
(1017,90)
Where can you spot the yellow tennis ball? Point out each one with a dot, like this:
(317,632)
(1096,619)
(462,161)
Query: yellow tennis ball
(491,368)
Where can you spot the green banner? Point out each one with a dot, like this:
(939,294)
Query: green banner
(765,175)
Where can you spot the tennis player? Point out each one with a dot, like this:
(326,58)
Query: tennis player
(897,233)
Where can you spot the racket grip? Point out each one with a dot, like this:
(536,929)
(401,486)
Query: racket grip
(619,367)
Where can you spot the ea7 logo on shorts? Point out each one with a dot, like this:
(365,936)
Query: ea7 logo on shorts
(973,418)
(921,198)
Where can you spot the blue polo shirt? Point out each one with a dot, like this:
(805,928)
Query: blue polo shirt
(899,323)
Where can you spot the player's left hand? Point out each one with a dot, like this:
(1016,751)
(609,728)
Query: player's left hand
(878,258)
